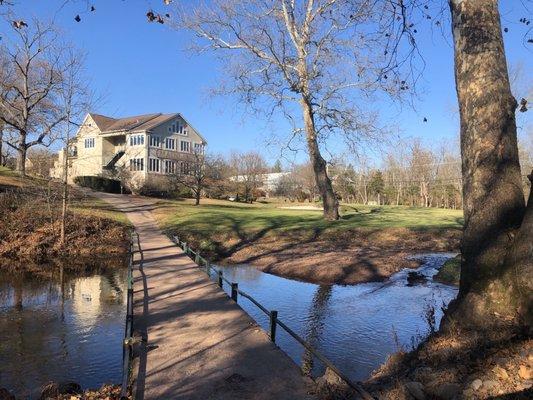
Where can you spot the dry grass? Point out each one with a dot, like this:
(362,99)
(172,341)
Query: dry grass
(30,226)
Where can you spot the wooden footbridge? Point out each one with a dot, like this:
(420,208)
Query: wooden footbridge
(194,341)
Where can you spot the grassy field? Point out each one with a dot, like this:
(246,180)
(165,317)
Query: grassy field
(218,216)
(367,243)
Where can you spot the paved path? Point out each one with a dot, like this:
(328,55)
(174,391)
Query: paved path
(200,344)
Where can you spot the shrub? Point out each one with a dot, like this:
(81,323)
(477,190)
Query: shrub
(98,183)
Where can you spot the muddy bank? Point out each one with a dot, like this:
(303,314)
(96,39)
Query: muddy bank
(466,365)
(71,391)
(348,257)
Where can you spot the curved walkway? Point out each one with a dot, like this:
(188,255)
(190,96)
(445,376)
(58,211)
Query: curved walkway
(199,344)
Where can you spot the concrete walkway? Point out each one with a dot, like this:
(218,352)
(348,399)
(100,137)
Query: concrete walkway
(199,343)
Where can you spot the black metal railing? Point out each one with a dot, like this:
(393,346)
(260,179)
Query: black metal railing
(127,349)
(274,321)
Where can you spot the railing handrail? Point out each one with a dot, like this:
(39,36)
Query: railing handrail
(128,329)
(274,320)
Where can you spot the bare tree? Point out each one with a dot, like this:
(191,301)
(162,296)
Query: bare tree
(74,100)
(248,172)
(201,171)
(306,57)
(2,157)
(497,271)
(31,78)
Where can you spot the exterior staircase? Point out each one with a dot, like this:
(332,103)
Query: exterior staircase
(111,164)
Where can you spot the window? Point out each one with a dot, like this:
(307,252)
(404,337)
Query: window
(170,143)
(198,148)
(89,143)
(184,168)
(185,146)
(170,167)
(136,140)
(154,165)
(137,164)
(155,141)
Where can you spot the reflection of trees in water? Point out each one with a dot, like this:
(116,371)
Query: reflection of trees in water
(111,279)
(317,314)
(34,318)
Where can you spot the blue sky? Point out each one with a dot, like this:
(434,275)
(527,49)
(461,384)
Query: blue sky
(143,67)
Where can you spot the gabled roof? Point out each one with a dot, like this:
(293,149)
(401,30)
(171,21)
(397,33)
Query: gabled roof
(101,121)
(152,123)
(138,122)
(128,123)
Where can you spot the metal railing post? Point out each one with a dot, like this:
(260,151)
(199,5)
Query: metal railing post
(185,248)
(207,266)
(220,278)
(234,291)
(197,258)
(273,324)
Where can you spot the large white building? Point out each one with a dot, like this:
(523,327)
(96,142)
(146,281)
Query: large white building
(142,147)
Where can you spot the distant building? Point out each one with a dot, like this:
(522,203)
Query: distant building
(144,146)
(269,181)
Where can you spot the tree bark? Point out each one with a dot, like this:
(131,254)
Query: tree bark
(331,205)
(64,200)
(1,145)
(21,160)
(493,200)
(197,196)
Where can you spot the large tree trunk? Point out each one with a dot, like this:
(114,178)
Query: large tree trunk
(197,194)
(331,205)
(493,200)
(21,159)
(1,145)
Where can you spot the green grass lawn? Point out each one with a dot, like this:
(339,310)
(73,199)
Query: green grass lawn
(218,216)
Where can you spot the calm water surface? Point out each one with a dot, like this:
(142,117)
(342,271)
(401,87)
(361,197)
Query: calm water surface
(53,331)
(356,327)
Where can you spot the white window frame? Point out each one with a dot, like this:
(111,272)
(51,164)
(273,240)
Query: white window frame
(89,143)
(188,146)
(198,148)
(154,165)
(185,168)
(136,140)
(170,140)
(136,164)
(170,167)
(155,141)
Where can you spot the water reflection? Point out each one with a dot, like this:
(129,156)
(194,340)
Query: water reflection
(356,327)
(315,324)
(61,328)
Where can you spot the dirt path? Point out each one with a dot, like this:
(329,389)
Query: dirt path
(200,344)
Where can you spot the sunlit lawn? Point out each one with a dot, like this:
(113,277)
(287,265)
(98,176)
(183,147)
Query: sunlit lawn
(218,216)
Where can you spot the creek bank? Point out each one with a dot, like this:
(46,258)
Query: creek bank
(30,228)
(459,365)
(348,257)
(72,391)
(450,273)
